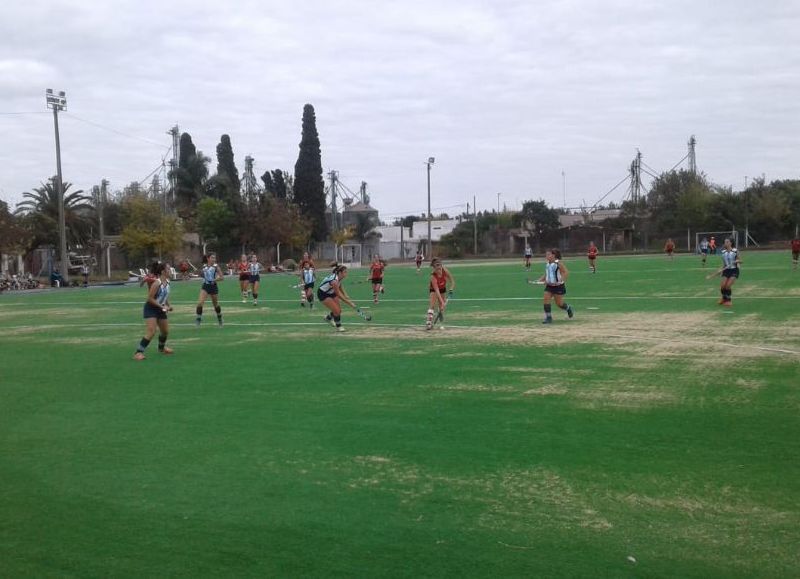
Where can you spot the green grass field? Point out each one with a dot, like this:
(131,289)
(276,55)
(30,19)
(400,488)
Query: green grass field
(654,425)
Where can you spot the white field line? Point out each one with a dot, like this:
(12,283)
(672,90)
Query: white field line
(421,327)
(418,300)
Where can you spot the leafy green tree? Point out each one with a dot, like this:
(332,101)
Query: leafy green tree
(147,232)
(40,215)
(215,221)
(13,235)
(190,177)
(537,216)
(269,186)
(309,188)
(364,226)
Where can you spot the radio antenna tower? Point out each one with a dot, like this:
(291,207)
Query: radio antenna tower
(692,158)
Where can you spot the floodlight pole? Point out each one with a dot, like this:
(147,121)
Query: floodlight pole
(429,162)
(59,103)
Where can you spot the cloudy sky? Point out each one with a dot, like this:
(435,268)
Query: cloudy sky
(504,94)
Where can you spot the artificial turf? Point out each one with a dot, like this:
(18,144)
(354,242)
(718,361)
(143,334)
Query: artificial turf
(654,435)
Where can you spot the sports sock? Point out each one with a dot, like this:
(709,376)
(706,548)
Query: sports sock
(218,309)
(143,345)
(162,339)
(199,311)
(338,320)
(255,296)
(548,308)
(563,306)
(329,317)
(430,316)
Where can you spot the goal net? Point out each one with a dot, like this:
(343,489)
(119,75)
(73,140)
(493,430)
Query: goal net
(349,254)
(704,237)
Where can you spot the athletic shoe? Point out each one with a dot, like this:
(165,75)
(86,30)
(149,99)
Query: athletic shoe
(547,321)
(721,301)
(428,325)
(197,322)
(220,322)
(138,356)
(166,350)
(728,304)
(381,289)
(255,302)
(570,313)
(303,304)
(375,301)
(244,300)
(340,329)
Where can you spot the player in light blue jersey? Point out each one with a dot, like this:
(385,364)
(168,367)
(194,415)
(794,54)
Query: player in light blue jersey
(254,270)
(212,273)
(155,311)
(331,292)
(729,272)
(554,280)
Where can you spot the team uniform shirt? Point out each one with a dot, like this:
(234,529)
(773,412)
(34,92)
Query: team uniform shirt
(418,259)
(554,283)
(795,246)
(729,266)
(376,272)
(161,297)
(255,271)
(438,281)
(244,270)
(704,246)
(210,279)
(669,247)
(528,253)
(309,277)
(592,253)
(326,288)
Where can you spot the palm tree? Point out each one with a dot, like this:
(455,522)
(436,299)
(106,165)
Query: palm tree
(40,212)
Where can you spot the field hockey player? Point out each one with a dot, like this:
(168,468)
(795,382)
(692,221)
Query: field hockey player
(555,279)
(331,292)
(254,271)
(212,273)
(437,288)
(243,267)
(729,272)
(307,281)
(376,277)
(155,311)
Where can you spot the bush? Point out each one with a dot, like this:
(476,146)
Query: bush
(289,265)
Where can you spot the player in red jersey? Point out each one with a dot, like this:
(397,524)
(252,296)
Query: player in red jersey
(669,248)
(795,252)
(243,269)
(592,255)
(150,277)
(376,276)
(437,290)
(306,272)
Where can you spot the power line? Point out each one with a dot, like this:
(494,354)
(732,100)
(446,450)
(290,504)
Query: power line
(26,113)
(112,130)
(610,191)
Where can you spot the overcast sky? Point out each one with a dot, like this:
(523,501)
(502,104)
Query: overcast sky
(504,94)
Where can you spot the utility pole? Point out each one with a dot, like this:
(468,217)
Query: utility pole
(429,162)
(475,224)
(59,103)
(333,175)
(636,185)
(746,214)
(564,180)
(173,164)
(692,158)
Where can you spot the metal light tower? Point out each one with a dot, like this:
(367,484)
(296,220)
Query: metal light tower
(429,162)
(58,102)
(692,156)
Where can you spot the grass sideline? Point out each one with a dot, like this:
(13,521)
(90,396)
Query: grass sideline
(655,425)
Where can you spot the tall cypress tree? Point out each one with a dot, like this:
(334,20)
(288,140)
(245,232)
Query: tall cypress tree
(309,188)
(225,165)
(279,184)
(190,175)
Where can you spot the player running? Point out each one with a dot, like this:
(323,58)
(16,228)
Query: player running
(155,311)
(331,292)
(592,255)
(418,259)
(254,271)
(669,248)
(437,289)
(243,268)
(729,272)
(376,276)
(307,280)
(212,273)
(528,257)
(795,252)
(704,250)
(712,246)
(554,279)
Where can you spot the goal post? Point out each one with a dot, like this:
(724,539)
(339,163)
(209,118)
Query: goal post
(719,237)
(349,254)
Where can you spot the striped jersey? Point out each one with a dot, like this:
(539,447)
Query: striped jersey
(308,275)
(326,286)
(255,268)
(210,273)
(729,257)
(162,293)
(552,275)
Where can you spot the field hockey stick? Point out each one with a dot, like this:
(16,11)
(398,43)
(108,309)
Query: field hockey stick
(715,274)
(440,314)
(535,282)
(364,315)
